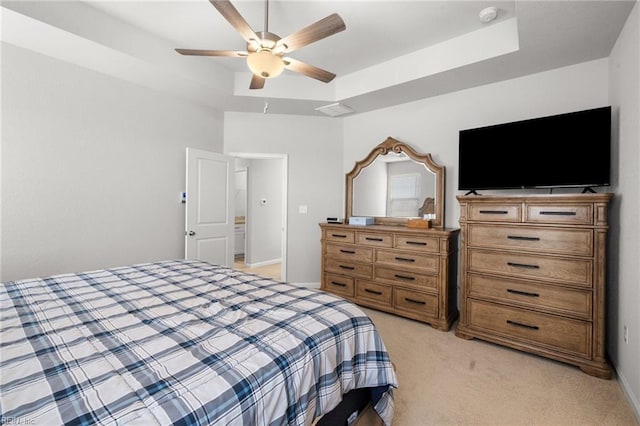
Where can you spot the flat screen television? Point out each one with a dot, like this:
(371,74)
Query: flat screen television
(564,150)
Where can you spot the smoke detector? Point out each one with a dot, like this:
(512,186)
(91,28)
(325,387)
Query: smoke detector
(488,14)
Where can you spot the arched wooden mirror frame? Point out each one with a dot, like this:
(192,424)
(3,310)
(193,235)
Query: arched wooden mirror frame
(394,145)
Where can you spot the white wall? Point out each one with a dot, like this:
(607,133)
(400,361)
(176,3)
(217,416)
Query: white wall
(624,269)
(315,177)
(92,167)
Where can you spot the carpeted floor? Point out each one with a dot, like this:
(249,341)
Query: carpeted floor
(446,380)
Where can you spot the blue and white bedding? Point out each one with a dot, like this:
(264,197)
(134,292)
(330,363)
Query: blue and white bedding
(183,343)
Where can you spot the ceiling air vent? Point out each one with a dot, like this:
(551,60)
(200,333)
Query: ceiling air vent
(335,110)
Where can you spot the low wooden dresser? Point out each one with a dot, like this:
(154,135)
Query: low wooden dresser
(405,271)
(532,275)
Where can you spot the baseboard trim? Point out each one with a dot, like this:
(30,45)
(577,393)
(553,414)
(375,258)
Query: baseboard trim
(628,393)
(265,263)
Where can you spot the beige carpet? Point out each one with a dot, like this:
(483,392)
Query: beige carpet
(446,380)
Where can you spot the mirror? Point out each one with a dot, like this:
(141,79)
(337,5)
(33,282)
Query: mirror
(394,184)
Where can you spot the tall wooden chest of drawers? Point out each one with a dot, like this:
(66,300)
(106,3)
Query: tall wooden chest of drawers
(404,271)
(532,275)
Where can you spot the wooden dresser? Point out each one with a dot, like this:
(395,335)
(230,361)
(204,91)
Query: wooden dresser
(532,275)
(405,271)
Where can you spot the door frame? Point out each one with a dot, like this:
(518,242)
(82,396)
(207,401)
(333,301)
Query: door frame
(285,180)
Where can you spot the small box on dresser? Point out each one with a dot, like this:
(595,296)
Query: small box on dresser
(409,272)
(533,274)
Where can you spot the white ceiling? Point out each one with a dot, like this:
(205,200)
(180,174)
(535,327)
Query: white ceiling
(391,51)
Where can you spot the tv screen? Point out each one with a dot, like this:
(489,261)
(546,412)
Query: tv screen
(565,150)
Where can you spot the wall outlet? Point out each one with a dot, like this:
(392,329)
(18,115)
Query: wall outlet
(625,334)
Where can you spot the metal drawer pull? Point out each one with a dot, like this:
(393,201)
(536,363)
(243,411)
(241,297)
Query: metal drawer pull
(523,265)
(339,235)
(373,239)
(530,327)
(338,284)
(494,211)
(552,213)
(417,243)
(522,293)
(404,277)
(379,293)
(350,268)
(405,259)
(419,302)
(516,237)
(347,251)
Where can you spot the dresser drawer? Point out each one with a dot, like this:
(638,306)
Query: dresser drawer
(575,214)
(348,268)
(574,271)
(413,301)
(409,242)
(558,333)
(374,240)
(408,260)
(395,276)
(507,212)
(339,284)
(548,240)
(375,292)
(349,252)
(343,236)
(532,295)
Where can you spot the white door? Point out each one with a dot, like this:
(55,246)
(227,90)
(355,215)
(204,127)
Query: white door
(209,231)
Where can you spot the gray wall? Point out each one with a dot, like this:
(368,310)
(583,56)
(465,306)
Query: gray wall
(431,125)
(264,226)
(92,167)
(624,242)
(315,177)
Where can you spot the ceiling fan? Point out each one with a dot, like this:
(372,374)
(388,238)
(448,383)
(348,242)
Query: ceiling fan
(265,50)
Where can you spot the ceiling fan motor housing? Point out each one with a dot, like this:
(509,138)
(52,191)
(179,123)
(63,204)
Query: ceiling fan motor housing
(267,41)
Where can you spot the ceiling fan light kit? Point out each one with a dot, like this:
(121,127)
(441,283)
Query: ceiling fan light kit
(265,63)
(265,50)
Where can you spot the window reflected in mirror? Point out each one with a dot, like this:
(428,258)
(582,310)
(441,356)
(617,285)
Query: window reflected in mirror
(394,186)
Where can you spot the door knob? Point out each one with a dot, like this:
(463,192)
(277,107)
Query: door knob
(191,233)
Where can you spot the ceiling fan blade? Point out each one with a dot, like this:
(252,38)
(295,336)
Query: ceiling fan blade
(317,31)
(308,70)
(195,52)
(231,14)
(257,82)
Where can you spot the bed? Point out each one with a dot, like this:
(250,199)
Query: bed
(185,343)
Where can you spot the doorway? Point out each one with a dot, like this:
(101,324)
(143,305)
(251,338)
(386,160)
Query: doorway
(261,214)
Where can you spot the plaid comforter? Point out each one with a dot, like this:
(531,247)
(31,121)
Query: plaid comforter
(181,342)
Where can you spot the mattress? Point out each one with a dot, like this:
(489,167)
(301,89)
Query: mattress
(182,342)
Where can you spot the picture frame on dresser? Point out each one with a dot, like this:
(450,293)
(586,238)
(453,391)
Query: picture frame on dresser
(533,275)
(388,265)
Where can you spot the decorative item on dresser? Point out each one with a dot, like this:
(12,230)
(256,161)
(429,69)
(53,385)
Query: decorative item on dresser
(533,272)
(402,264)
(405,271)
